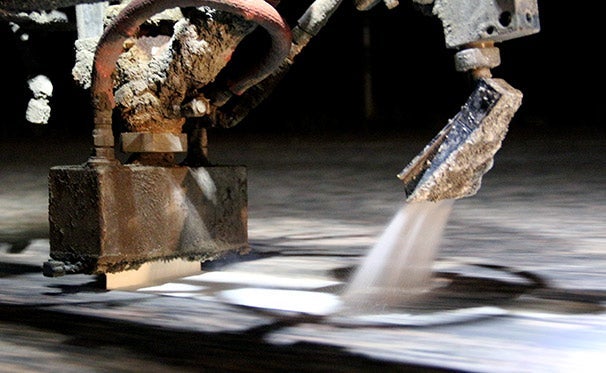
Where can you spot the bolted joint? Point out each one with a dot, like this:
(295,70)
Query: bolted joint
(198,107)
(476,58)
(103,137)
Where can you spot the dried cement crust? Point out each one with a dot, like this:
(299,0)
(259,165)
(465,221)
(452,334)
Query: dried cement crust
(460,173)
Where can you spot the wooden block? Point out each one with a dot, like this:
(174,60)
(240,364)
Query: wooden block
(113,218)
(152,273)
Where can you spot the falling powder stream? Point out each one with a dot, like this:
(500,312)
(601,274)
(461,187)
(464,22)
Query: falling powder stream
(399,266)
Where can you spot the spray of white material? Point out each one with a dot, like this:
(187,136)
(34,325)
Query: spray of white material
(399,266)
(395,272)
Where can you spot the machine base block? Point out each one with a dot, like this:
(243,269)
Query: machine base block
(114,218)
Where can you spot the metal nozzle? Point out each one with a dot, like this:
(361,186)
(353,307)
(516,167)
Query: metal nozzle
(451,166)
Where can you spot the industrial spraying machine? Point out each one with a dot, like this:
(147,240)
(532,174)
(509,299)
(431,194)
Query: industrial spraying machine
(154,94)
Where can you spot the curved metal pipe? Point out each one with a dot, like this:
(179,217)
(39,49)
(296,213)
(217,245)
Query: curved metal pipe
(308,25)
(110,47)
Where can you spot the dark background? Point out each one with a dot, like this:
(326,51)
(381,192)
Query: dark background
(414,82)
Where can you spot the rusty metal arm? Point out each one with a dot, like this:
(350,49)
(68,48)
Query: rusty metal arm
(451,166)
(110,47)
